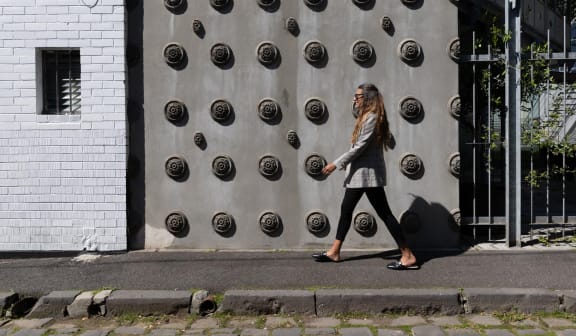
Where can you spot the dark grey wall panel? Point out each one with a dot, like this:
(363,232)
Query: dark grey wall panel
(290,194)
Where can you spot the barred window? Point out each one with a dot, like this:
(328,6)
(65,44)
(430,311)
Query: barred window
(60,82)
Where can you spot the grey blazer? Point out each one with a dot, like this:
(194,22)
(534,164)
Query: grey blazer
(364,161)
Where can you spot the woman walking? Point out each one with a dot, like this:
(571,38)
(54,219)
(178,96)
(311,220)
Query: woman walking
(365,174)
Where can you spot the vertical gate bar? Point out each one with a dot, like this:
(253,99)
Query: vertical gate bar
(531,221)
(475,191)
(512,140)
(548,214)
(564,131)
(489,146)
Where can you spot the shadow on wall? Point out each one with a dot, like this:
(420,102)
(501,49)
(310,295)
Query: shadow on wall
(431,229)
(135,111)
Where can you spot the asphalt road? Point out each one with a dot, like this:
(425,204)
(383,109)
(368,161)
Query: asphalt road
(220,271)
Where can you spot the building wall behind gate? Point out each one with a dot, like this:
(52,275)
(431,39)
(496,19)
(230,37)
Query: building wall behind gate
(268,199)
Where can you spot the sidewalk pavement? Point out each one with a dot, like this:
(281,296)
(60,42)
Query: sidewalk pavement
(456,286)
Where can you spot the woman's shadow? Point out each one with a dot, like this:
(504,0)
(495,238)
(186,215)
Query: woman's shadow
(419,222)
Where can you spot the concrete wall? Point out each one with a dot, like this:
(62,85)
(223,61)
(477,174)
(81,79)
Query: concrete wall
(62,178)
(244,82)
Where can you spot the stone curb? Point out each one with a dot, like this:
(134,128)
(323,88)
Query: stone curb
(419,301)
(322,302)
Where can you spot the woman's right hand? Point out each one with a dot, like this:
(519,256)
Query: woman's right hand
(328,169)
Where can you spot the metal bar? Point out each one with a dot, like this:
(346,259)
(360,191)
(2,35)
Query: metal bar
(489,147)
(512,139)
(552,56)
(474,132)
(565,70)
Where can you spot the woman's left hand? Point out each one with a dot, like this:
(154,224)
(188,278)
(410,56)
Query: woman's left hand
(328,169)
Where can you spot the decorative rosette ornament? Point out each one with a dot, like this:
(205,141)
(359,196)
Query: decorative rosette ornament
(176,167)
(410,51)
(177,224)
(220,54)
(315,4)
(174,54)
(411,109)
(454,163)
(314,165)
(455,106)
(268,53)
(315,110)
(221,110)
(269,110)
(316,222)
(409,2)
(387,24)
(222,166)
(223,223)
(198,27)
(364,223)
(293,139)
(173,5)
(269,166)
(315,52)
(270,223)
(292,26)
(267,3)
(175,111)
(362,52)
(199,139)
(454,49)
(411,165)
(219,5)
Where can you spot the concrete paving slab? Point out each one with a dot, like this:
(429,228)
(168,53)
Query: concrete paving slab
(363,331)
(30,332)
(554,322)
(243,322)
(362,322)
(498,332)
(257,302)
(484,320)
(280,322)
(407,321)
(391,332)
(193,332)
(205,323)
(173,325)
(427,330)
(129,331)
(322,322)
(287,332)
(163,332)
(567,332)
(3,332)
(148,302)
(254,332)
(319,331)
(444,321)
(95,333)
(397,300)
(461,332)
(30,323)
(531,332)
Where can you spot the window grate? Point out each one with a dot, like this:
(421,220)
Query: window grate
(61,81)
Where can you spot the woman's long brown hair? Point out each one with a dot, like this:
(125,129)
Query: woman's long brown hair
(373,103)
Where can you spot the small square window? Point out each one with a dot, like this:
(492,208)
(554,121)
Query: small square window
(60,82)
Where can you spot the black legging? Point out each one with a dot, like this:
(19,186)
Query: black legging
(377,198)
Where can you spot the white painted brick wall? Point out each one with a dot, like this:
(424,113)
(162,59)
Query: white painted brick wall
(63,178)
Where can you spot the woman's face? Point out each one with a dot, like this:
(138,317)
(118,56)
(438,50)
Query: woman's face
(358,98)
